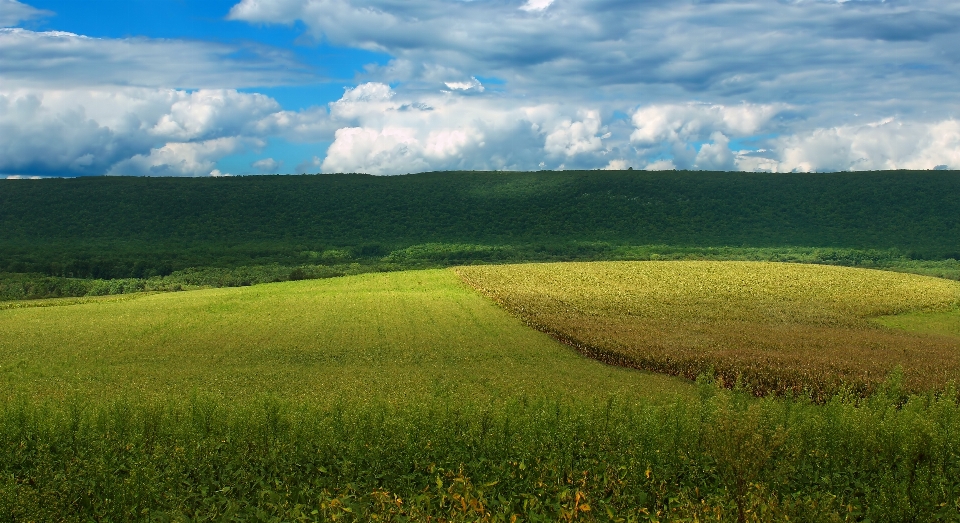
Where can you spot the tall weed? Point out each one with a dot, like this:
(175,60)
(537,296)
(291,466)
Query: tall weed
(722,455)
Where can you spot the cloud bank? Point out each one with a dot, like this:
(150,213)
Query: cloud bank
(134,131)
(783,85)
(381,131)
(376,129)
(795,52)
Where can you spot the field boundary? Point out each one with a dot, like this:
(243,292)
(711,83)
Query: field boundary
(73,300)
(588,351)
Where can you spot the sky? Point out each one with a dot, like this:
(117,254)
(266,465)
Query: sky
(237,87)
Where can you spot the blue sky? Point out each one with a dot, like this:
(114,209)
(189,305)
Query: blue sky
(188,88)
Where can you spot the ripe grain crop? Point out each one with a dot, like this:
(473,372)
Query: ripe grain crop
(777,328)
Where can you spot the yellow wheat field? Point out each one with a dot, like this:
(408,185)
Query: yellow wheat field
(779,328)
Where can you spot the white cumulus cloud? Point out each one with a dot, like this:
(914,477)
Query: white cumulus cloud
(715,156)
(888,144)
(690,122)
(381,131)
(134,130)
(390,150)
(183,158)
(723,51)
(575,137)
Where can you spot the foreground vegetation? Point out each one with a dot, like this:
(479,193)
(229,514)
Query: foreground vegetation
(72,237)
(409,397)
(785,329)
(723,456)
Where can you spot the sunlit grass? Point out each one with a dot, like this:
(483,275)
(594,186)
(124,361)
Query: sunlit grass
(397,337)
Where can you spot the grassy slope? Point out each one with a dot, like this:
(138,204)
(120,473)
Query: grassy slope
(781,327)
(408,335)
(426,359)
(394,337)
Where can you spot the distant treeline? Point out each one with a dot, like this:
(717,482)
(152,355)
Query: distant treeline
(108,228)
(27,286)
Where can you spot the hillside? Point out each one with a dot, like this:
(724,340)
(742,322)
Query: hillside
(140,227)
(396,338)
(409,397)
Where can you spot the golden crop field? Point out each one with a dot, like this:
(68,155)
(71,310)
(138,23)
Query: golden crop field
(779,328)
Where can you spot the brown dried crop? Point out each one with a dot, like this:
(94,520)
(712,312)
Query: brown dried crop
(778,328)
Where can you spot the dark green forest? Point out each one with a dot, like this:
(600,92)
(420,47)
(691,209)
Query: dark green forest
(102,235)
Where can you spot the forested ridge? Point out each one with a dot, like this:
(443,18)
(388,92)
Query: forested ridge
(125,227)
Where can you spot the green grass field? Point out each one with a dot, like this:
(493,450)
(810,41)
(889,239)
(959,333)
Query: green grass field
(409,396)
(395,337)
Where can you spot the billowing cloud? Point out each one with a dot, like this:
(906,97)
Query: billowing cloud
(888,144)
(183,158)
(690,122)
(716,155)
(617,165)
(575,137)
(382,134)
(660,165)
(390,150)
(375,129)
(381,131)
(128,131)
(696,135)
(206,113)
